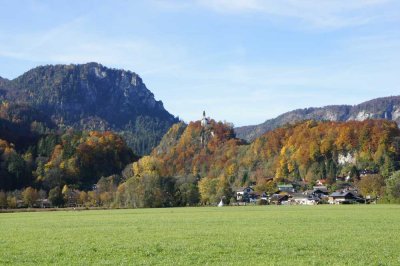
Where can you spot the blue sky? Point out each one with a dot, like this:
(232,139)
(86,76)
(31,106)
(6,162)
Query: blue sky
(243,61)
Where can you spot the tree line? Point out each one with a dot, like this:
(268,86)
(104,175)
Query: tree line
(90,168)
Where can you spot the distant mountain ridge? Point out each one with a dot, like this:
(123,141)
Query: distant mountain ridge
(92,97)
(379,108)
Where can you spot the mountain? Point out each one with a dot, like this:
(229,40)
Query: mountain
(380,108)
(92,97)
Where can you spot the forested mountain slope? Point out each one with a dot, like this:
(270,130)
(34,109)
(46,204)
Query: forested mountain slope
(380,108)
(302,152)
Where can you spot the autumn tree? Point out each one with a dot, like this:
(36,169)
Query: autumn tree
(208,190)
(11,201)
(83,197)
(265,185)
(30,196)
(224,189)
(121,196)
(93,198)
(371,185)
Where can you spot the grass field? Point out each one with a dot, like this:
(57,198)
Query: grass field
(262,235)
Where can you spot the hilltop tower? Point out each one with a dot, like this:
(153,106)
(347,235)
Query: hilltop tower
(205,129)
(204,120)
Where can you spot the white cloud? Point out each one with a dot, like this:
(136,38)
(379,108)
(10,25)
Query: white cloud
(72,42)
(314,13)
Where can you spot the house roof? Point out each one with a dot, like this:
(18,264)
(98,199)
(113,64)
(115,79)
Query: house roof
(278,197)
(241,189)
(342,194)
(305,196)
(320,188)
(285,186)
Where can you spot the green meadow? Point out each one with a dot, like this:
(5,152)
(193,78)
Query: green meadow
(261,235)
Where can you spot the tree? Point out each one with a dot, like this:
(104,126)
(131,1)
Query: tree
(224,190)
(131,193)
(82,198)
(331,172)
(17,168)
(120,198)
(393,187)
(3,200)
(388,166)
(93,198)
(56,197)
(70,195)
(42,194)
(208,190)
(372,185)
(11,201)
(167,188)
(265,185)
(189,194)
(245,178)
(354,173)
(30,196)
(106,198)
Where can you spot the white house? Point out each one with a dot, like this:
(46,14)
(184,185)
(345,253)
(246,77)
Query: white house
(243,193)
(304,199)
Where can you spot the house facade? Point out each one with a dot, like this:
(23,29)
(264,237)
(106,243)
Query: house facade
(243,194)
(304,199)
(278,199)
(286,188)
(343,197)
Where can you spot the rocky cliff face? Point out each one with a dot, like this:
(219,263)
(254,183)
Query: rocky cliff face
(93,97)
(380,108)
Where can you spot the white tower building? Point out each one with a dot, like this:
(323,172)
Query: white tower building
(204,120)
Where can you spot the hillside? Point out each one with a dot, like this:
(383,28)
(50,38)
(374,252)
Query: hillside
(380,108)
(306,151)
(75,158)
(91,97)
(299,147)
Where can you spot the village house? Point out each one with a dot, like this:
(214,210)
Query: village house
(286,188)
(347,187)
(304,199)
(320,191)
(344,197)
(321,188)
(244,193)
(278,199)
